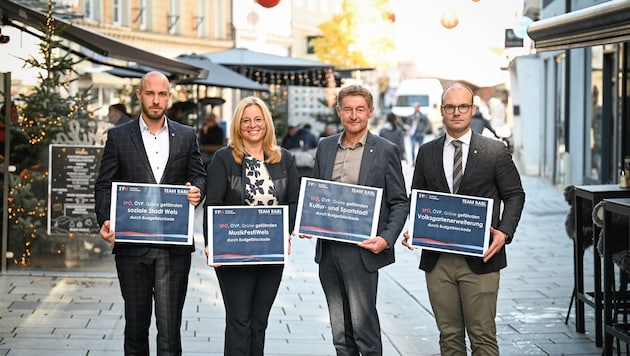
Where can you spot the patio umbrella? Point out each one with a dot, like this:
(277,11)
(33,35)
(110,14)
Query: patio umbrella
(135,71)
(183,110)
(218,75)
(272,69)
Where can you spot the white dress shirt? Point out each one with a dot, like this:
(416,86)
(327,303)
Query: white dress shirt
(449,154)
(156,147)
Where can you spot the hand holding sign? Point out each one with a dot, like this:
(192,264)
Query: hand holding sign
(449,222)
(338,211)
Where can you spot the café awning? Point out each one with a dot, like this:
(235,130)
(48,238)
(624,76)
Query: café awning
(267,68)
(219,76)
(608,22)
(105,49)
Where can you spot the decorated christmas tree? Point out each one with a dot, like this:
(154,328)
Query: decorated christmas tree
(48,110)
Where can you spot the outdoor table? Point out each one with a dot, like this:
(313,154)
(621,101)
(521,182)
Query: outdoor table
(593,194)
(613,328)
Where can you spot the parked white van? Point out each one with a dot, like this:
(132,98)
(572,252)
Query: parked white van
(424,91)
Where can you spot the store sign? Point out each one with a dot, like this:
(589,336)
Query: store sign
(73,172)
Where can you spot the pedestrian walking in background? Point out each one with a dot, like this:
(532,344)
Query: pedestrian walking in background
(480,123)
(251,170)
(117,114)
(463,289)
(420,127)
(348,272)
(394,133)
(211,138)
(306,138)
(291,141)
(151,149)
(329,129)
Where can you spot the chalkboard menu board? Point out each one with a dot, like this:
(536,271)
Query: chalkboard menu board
(73,172)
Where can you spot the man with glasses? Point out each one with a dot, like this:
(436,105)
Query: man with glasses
(348,272)
(463,289)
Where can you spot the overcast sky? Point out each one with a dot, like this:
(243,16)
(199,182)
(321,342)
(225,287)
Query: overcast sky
(464,49)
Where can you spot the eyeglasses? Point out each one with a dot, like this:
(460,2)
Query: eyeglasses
(360,110)
(258,121)
(450,109)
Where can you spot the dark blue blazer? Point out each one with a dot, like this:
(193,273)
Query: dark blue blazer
(125,160)
(490,173)
(380,168)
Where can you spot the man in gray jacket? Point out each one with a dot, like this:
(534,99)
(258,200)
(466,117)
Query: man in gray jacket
(348,272)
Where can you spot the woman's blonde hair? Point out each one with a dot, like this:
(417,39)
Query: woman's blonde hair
(270,148)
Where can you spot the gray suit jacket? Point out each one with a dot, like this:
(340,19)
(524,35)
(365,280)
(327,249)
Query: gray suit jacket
(125,160)
(491,173)
(380,168)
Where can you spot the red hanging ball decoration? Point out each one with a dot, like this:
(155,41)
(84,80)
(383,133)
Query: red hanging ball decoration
(391,17)
(268,3)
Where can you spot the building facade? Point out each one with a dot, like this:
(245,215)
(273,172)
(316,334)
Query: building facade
(144,30)
(573,124)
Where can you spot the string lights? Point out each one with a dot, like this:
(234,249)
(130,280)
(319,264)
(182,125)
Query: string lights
(44,114)
(303,77)
(26,217)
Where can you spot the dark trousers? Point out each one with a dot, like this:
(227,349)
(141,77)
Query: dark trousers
(416,142)
(161,276)
(350,291)
(248,294)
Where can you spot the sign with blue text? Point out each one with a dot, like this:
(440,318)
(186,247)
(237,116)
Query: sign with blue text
(338,211)
(152,213)
(243,234)
(450,222)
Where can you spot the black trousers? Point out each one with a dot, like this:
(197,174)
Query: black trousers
(350,291)
(161,276)
(248,295)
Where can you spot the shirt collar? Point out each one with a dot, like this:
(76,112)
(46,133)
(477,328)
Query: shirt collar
(144,127)
(360,143)
(465,138)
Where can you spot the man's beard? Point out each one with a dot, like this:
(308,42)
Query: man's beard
(156,117)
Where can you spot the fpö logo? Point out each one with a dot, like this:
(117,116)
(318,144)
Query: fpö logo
(123,189)
(224,212)
(317,184)
(423,196)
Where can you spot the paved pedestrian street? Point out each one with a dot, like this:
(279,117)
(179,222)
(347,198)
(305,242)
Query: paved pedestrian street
(76,314)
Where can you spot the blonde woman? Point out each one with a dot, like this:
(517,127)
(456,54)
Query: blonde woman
(252,170)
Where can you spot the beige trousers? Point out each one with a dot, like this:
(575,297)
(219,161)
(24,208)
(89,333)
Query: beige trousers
(463,302)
